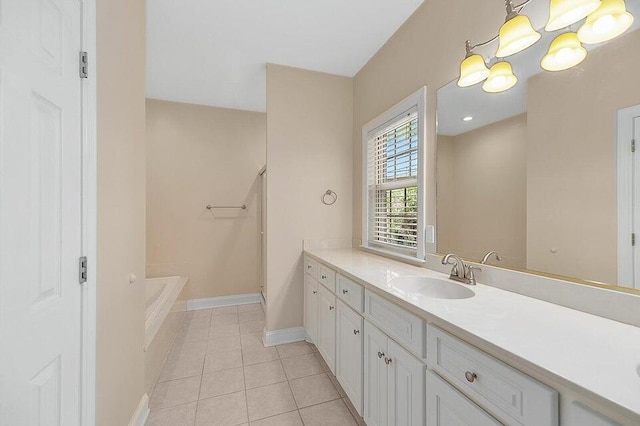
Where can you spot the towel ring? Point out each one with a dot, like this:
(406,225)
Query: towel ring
(332,200)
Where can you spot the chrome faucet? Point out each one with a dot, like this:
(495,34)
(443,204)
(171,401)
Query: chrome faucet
(486,257)
(460,271)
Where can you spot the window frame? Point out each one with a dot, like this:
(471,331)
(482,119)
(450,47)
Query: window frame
(416,101)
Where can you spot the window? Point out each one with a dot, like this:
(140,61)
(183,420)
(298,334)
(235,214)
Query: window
(394,189)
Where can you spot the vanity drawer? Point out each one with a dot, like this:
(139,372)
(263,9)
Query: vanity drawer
(399,324)
(311,267)
(351,293)
(509,394)
(327,277)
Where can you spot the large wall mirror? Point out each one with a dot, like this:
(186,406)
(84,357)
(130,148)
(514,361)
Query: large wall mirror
(544,173)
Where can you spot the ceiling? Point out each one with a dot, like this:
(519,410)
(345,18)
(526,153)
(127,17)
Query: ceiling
(455,103)
(214,52)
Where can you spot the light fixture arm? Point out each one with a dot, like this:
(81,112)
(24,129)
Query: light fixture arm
(512,12)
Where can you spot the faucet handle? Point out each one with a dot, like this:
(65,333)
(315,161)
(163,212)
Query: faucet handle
(471,275)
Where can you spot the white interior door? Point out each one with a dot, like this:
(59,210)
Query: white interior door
(635,123)
(40,212)
(628,194)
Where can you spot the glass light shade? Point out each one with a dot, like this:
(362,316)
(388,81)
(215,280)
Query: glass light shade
(516,35)
(608,21)
(500,79)
(472,71)
(565,52)
(563,13)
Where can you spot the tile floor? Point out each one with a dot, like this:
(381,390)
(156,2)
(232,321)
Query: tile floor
(219,373)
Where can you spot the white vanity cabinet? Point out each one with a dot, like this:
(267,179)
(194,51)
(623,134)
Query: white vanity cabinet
(511,396)
(311,288)
(349,351)
(326,341)
(448,407)
(394,382)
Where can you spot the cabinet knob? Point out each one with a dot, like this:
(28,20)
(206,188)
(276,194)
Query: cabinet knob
(324,277)
(308,266)
(380,354)
(387,360)
(356,332)
(345,291)
(315,291)
(471,377)
(331,308)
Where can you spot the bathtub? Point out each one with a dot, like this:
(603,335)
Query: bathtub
(166,306)
(161,296)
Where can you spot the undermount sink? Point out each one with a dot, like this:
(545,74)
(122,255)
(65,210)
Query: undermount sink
(432,287)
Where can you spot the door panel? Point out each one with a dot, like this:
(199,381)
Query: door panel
(448,407)
(40,212)
(349,353)
(406,387)
(327,326)
(375,376)
(311,308)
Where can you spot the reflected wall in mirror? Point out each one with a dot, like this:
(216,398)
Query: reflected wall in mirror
(543,173)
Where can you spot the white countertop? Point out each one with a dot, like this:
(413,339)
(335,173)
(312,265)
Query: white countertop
(591,353)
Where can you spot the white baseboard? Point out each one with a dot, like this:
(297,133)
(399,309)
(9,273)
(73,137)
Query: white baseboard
(139,417)
(286,335)
(217,302)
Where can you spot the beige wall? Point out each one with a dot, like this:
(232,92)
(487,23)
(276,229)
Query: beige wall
(482,192)
(309,150)
(425,51)
(121,209)
(572,193)
(199,155)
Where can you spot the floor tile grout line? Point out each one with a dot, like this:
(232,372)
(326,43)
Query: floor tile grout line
(246,396)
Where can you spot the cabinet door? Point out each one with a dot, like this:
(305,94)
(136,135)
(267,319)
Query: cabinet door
(375,376)
(311,308)
(448,407)
(327,327)
(406,400)
(349,353)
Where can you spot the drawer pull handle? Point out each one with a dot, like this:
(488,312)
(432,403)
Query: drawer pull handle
(331,308)
(345,291)
(356,332)
(315,291)
(387,360)
(309,266)
(380,354)
(471,377)
(324,277)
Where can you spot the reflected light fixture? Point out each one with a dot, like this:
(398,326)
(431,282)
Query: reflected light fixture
(565,52)
(607,22)
(473,69)
(500,79)
(563,13)
(467,118)
(516,34)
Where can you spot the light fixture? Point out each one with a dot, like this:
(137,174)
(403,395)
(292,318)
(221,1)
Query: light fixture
(500,79)
(563,13)
(467,118)
(516,34)
(473,69)
(608,21)
(565,52)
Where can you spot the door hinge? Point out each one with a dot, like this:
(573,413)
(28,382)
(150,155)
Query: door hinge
(633,239)
(84,65)
(633,145)
(82,269)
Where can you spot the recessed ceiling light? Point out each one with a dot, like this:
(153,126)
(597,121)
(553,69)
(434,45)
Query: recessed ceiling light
(467,118)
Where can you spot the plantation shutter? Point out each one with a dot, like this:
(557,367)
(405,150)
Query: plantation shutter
(392,182)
